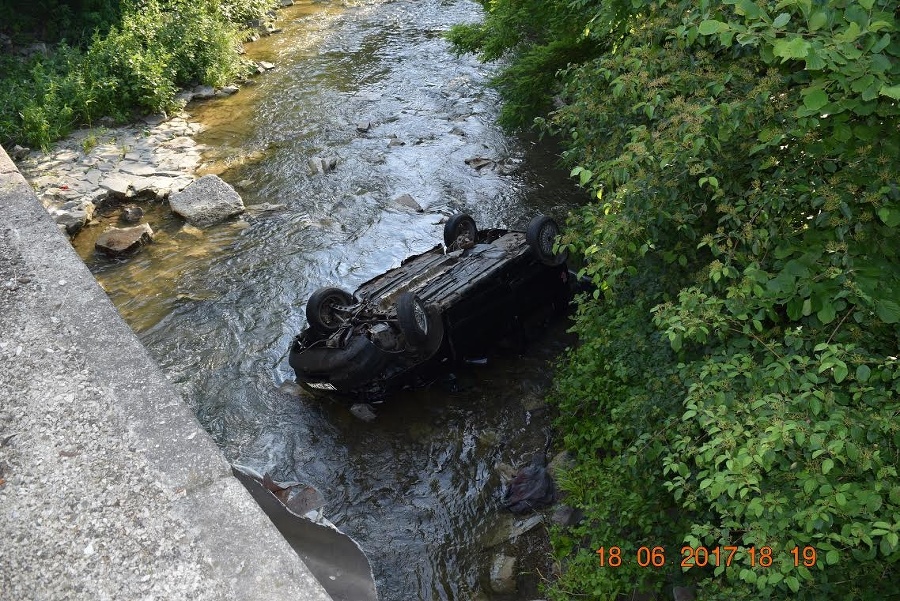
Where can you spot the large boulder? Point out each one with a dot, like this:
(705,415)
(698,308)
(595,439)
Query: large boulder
(207,201)
(116,241)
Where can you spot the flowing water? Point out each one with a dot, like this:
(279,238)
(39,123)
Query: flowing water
(417,487)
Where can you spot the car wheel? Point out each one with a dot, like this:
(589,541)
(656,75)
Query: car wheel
(459,225)
(322,311)
(541,235)
(413,318)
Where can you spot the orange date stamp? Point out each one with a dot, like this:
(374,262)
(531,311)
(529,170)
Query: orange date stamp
(701,557)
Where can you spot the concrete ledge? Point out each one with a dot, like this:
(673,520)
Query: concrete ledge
(109,487)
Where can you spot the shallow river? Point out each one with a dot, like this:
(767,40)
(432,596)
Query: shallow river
(417,486)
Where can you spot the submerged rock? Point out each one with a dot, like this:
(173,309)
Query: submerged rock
(408,201)
(116,241)
(207,201)
(502,578)
(132,213)
(320,165)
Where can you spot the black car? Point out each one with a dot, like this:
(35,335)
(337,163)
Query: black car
(446,304)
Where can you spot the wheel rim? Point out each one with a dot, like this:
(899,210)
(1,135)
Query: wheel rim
(328,313)
(546,239)
(466,228)
(421,317)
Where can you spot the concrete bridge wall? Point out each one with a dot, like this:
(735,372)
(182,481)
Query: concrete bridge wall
(109,487)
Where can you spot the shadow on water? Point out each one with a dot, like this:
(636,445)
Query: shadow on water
(218,308)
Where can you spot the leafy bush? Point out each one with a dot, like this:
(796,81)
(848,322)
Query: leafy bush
(742,153)
(136,66)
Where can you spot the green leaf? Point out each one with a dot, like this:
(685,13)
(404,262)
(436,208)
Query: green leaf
(814,98)
(832,557)
(891,217)
(827,313)
(840,372)
(781,20)
(863,372)
(887,311)
(817,20)
(827,466)
(711,26)
(867,4)
(792,583)
(795,47)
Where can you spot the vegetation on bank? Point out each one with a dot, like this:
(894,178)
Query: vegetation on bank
(111,58)
(736,381)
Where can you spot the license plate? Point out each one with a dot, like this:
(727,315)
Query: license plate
(321,385)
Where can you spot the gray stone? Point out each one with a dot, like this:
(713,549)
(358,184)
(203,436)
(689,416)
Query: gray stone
(116,241)
(564,515)
(229,90)
(207,201)
(73,219)
(502,577)
(406,200)
(320,165)
(363,126)
(153,120)
(132,213)
(133,168)
(117,185)
(266,66)
(19,152)
(396,142)
(204,92)
(683,593)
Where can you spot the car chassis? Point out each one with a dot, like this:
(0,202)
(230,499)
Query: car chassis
(445,304)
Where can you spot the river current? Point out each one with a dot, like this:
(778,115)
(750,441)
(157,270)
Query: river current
(418,486)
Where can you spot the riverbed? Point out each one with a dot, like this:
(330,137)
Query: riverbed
(374,85)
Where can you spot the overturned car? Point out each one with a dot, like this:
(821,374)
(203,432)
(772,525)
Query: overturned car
(446,304)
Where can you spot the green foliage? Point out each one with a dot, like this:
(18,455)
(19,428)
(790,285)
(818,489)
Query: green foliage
(543,37)
(58,20)
(741,156)
(136,66)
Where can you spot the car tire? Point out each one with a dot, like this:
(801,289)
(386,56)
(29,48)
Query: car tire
(415,323)
(541,235)
(320,309)
(457,226)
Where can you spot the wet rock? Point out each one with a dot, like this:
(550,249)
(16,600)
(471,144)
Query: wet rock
(507,528)
(132,213)
(266,66)
(204,92)
(396,142)
(458,131)
(227,91)
(74,215)
(157,119)
(566,516)
(405,200)
(531,489)
(286,3)
(502,577)
(479,163)
(116,242)
(19,152)
(363,411)
(207,201)
(363,126)
(320,165)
